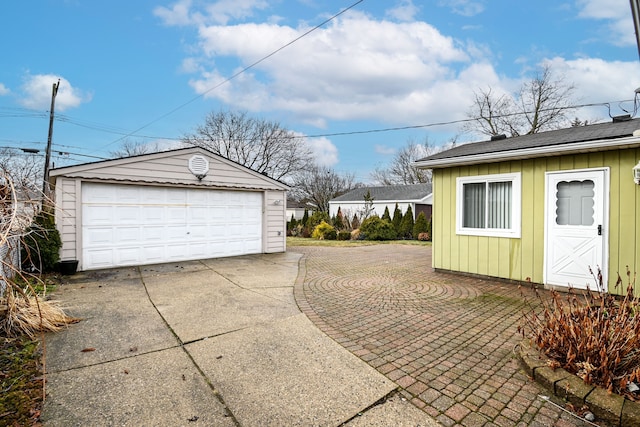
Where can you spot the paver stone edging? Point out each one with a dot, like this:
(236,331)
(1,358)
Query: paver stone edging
(612,408)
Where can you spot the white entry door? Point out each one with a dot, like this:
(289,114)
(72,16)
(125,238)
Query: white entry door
(576,227)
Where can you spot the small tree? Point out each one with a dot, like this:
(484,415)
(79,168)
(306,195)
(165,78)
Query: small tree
(338,222)
(386,215)
(368,206)
(355,222)
(397,218)
(421,225)
(406,226)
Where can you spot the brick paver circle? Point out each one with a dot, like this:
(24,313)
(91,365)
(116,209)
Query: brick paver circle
(446,340)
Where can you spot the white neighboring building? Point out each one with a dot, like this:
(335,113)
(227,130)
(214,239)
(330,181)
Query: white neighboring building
(418,196)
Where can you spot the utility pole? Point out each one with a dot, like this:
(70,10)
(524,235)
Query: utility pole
(635,12)
(47,158)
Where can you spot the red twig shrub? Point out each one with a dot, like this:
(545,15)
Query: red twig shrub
(594,335)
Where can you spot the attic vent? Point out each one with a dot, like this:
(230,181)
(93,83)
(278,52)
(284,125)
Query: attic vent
(623,118)
(199,166)
(498,137)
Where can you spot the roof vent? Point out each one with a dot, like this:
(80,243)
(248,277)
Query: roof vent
(199,166)
(498,137)
(623,118)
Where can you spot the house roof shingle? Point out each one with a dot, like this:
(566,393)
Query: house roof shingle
(389,192)
(557,138)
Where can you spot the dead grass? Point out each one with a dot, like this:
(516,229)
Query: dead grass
(22,313)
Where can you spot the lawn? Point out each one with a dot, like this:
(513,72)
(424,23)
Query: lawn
(301,241)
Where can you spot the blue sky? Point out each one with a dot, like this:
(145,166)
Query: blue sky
(144,69)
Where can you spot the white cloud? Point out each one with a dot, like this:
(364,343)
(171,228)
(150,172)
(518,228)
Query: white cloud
(464,7)
(404,11)
(37,93)
(618,17)
(597,80)
(181,13)
(222,11)
(4,90)
(176,15)
(361,68)
(324,152)
(335,72)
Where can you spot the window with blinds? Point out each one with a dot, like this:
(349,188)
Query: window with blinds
(489,205)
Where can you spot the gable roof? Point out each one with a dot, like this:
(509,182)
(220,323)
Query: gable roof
(580,139)
(160,168)
(407,193)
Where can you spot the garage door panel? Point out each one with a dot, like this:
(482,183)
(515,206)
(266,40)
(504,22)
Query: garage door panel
(97,215)
(131,225)
(127,215)
(127,235)
(153,214)
(96,237)
(151,234)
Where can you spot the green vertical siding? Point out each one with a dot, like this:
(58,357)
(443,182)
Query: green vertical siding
(519,259)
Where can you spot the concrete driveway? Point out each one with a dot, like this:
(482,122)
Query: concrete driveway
(213,343)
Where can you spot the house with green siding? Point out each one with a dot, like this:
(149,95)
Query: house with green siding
(550,207)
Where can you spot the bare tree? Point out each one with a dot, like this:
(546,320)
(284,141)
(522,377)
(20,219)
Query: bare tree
(130,148)
(25,170)
(258,144)
(319,184)
(401,170)
(541,104)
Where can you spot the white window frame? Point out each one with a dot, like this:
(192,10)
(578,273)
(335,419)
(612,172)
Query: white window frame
(516,205)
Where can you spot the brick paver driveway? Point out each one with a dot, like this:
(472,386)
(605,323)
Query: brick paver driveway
(446,340)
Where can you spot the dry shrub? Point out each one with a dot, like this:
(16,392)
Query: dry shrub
(594,335)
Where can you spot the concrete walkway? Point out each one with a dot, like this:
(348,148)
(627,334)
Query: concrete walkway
(212,343)
(446,340)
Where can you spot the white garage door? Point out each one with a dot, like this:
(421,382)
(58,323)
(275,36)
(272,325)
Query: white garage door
(133,225)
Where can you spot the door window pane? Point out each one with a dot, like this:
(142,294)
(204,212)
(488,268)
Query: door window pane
(575,202)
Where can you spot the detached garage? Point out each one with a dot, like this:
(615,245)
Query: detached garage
(171,206)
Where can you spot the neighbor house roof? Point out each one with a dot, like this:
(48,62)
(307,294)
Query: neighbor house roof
(580,139)
(414,192)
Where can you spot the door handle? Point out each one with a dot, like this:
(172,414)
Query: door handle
(600,230)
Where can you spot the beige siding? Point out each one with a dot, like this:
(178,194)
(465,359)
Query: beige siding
(275,236)
(66,216)
(523,258)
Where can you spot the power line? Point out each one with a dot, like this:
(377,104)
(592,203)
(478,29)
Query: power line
(242,71)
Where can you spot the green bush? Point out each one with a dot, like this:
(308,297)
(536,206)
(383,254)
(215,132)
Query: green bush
(338,222)
(397,219)
(41,244)
(324,231)
(316,218)
(406,226)
(386,215)
(344,235)
(375,228)
(421,226)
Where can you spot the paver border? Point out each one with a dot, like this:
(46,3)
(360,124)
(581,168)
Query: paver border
(606,406)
